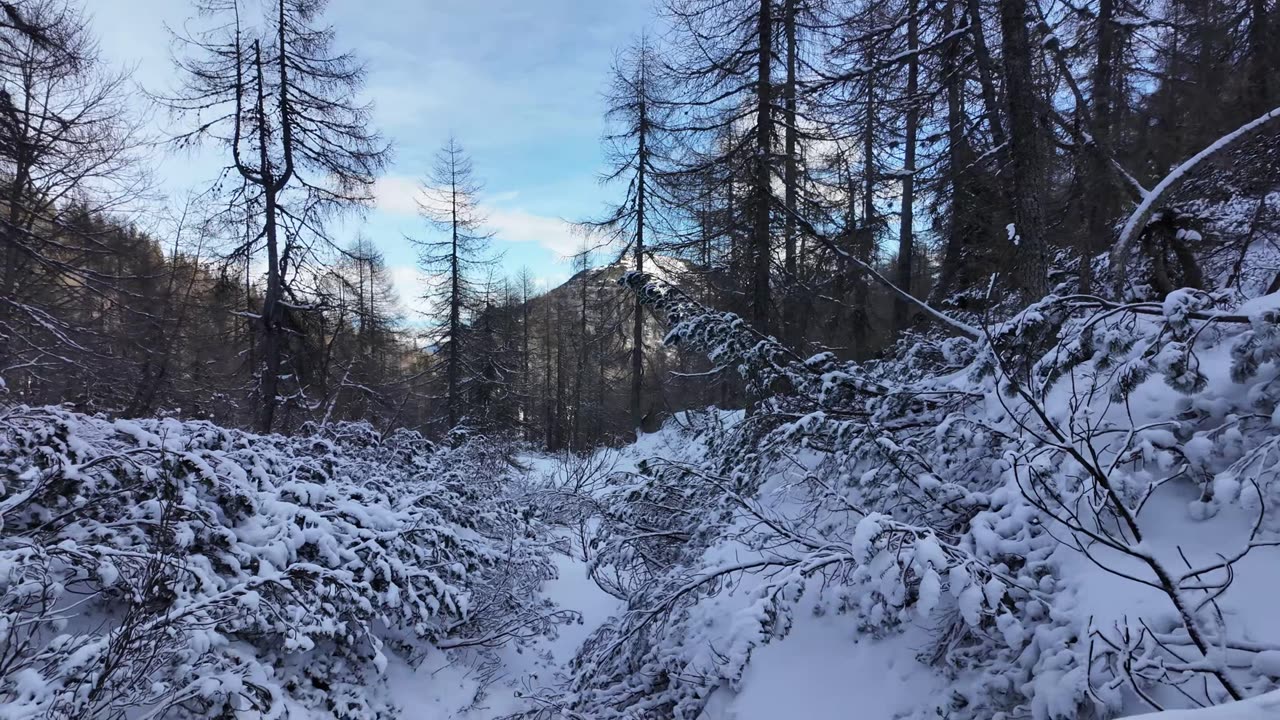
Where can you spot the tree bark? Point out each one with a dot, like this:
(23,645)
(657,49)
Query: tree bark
(1028,256)
(1100,193)
(906,232)
(637,327)
(957,255)
(866,231)
(272,316)
(1261,74)
(792,332)
(762,249)
(547,394)
(581,369)
(454,371)
(986,73)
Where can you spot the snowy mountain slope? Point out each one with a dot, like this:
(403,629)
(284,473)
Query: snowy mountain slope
(606,305)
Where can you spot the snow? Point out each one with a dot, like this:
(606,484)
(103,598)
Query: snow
(976,532)
(823,670)
(1092,533)
(1263,707)
(574,589)
(310,569)
(468,687)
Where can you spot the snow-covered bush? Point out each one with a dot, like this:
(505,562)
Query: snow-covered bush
(1078,502)
(180,569)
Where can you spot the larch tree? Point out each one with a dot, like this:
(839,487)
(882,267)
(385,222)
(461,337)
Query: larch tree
(449,202)
(359,334)
(1027,174)
(880,88)
(525,414)
(725,69)
(635,146)
(906,232)
(69,147)
(269,88)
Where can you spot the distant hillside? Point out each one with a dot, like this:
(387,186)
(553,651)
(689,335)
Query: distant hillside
(594,375)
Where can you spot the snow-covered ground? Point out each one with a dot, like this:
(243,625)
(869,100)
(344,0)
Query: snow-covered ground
(825,665)
(823,669)
(813,567)
(462,686)
(1263,707)
(465,686)
(826,567)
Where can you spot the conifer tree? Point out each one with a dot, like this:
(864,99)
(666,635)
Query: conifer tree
(638,113)
(272,92)
(453,261)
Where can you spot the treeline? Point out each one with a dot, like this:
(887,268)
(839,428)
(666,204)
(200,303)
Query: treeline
(785,146)
(828,169)
(240,304)
(839,172)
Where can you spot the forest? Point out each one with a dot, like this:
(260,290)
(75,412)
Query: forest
(923,365)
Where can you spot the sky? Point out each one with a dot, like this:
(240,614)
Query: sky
(519,82)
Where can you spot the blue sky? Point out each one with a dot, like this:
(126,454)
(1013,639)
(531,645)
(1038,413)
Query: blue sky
(519,82)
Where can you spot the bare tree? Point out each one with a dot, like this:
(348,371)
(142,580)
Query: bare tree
(639,114)
(273,92)
(906,234)
(1030,263)
(450,204)
(725,68)
(68,149)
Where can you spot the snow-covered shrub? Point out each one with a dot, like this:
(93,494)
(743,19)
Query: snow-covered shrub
(989,487)
(180,569)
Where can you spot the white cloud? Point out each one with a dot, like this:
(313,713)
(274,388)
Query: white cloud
(515,225)
(401,195)
(398,195)
(411,284)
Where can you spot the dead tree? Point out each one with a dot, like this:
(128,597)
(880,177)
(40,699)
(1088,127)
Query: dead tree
(273,92)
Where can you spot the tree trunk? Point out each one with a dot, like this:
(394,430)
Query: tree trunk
(906,233)
(637,327)
(455,312)
(1099,191)
(560,404)
(986,73)
(762,249)
(272,315)
(525,377)
(1261,74)
(581,369)
(1029,259)
(959,156)
(547,393)
(866,231)
(791,317)
(17,228)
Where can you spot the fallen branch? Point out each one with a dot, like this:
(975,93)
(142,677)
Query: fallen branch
(1138,220)
(807,227)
